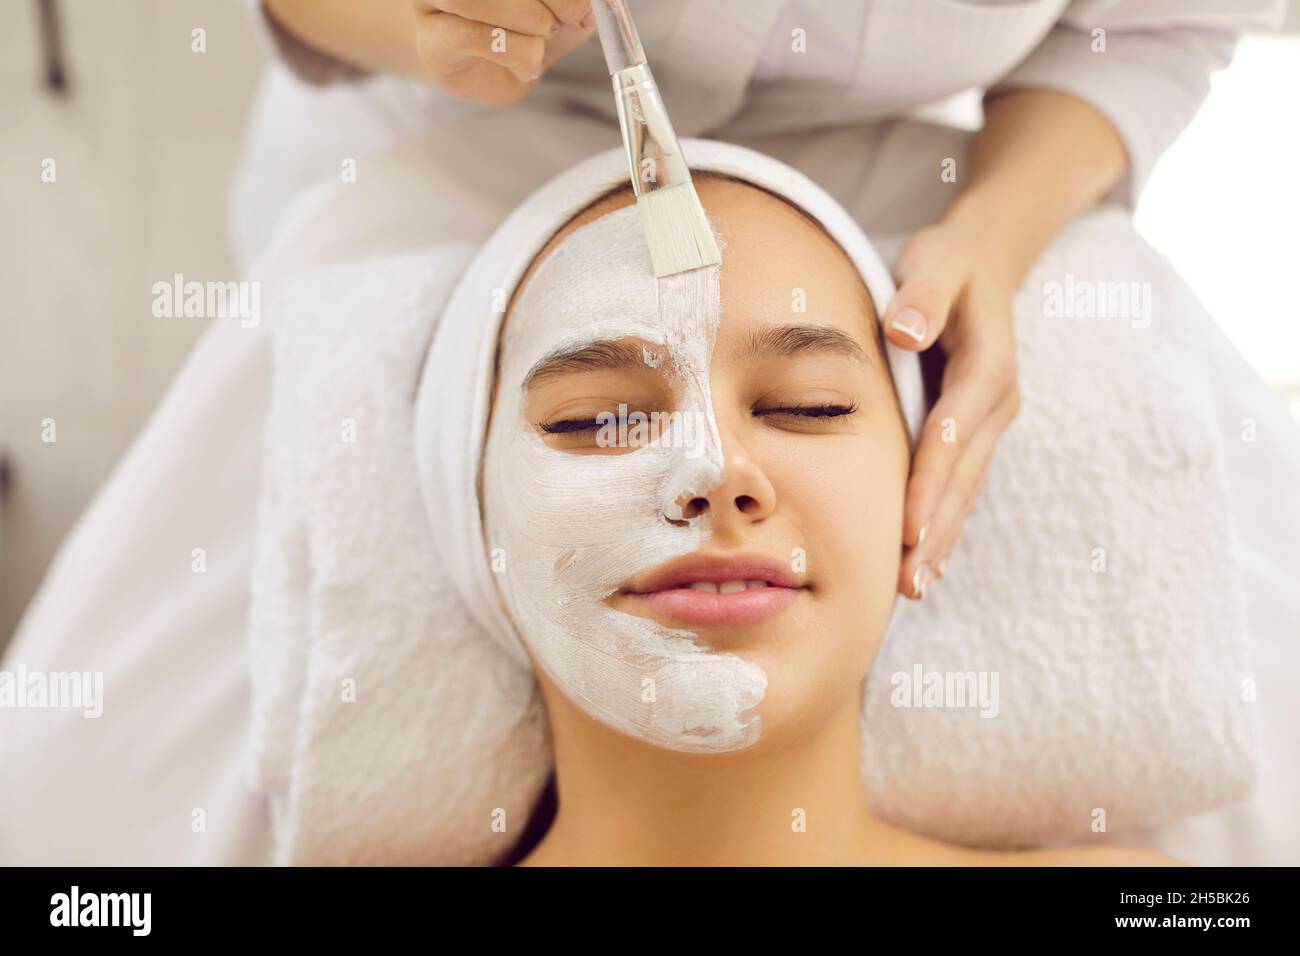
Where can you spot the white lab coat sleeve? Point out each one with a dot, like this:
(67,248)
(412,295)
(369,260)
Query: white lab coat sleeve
(307,63)
(1144,64)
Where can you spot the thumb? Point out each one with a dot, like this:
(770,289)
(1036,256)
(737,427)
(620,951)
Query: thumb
(569,38)
(918,312)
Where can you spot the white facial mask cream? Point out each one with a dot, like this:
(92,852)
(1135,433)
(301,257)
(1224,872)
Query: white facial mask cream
(573,528)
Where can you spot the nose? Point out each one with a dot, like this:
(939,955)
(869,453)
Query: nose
(738,490)
(744,494)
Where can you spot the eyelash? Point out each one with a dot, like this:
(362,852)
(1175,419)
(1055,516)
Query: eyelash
(808,411)
(576,426)
(570,426)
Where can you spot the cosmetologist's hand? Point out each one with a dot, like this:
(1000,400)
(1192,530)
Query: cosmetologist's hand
(1041,158)
(494,52)
(951,293)
(489,52)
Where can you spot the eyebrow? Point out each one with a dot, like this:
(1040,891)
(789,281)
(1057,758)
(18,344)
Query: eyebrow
(792,340)
(784,341)
(598,355)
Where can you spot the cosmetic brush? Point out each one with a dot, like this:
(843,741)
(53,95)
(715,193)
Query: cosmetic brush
(676,229)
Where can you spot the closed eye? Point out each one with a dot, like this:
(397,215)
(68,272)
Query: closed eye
(569,426)
(807,411)
(576,426)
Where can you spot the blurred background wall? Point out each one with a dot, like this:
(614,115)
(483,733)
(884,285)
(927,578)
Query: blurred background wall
(145,137)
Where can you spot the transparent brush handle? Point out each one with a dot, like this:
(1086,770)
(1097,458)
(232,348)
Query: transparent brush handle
(618,36)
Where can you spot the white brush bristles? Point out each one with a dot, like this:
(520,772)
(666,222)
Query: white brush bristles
(677,231)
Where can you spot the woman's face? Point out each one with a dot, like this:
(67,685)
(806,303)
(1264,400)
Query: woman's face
(693,487)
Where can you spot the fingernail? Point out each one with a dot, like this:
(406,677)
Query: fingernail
(920,535)
(525,75)
(555,27)
(910,321)
(943,567)
(589,21)
(920,579)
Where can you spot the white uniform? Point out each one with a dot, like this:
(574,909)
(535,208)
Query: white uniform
(123,596)
(729,70)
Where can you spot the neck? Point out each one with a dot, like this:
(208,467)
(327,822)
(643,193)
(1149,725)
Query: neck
(783,802)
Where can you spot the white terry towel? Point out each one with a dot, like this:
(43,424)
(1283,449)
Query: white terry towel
(395,716)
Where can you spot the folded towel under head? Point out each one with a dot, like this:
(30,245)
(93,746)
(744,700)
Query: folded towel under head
(396,718)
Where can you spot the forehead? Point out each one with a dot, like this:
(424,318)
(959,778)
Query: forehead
(778,266)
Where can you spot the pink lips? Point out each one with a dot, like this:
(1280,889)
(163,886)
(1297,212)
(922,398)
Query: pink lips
(705,591)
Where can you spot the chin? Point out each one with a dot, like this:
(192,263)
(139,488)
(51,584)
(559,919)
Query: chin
(814,665)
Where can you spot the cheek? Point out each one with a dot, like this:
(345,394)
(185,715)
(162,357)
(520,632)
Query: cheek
(841,499)
(845,493)
(574,527)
